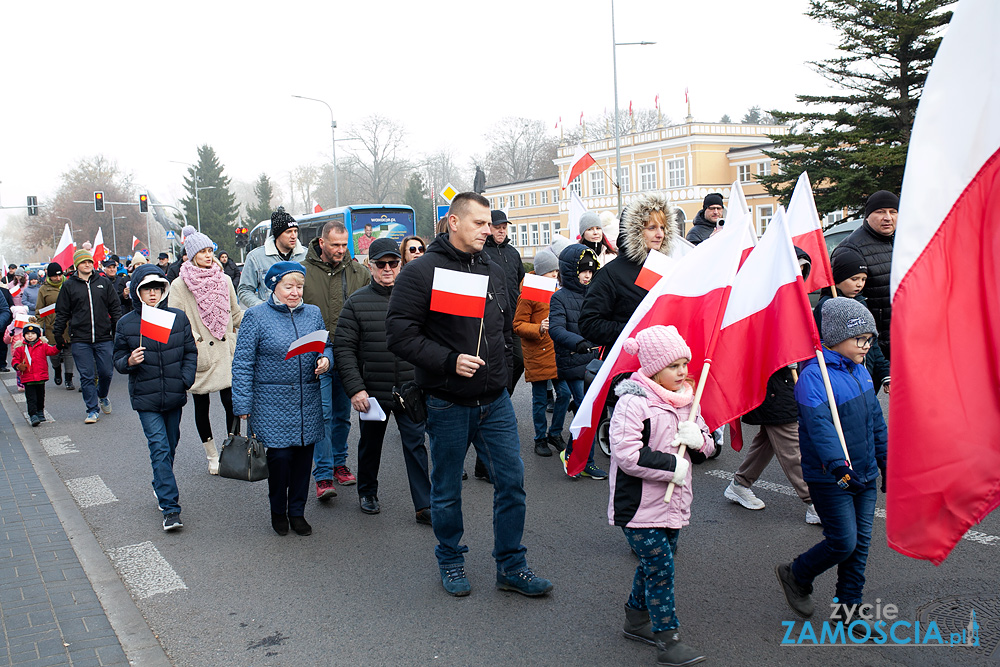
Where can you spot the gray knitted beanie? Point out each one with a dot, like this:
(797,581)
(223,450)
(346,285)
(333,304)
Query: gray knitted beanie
(845,318)
(545,261)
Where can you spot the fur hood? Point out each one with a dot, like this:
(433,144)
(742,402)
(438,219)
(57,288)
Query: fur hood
(629,386)
(634,218)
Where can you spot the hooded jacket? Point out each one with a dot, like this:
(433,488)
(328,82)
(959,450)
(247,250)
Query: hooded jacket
(539,351)
(564,315)
(877,251)
(612,295)
(161,381)
(701,228)
(328,287)
(38,371)
(643,458)
(432,341)
(509,259)
(90,308)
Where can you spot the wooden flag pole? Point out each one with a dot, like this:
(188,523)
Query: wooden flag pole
(795,375)
(833,291)
(480,341)
(833,405)
(691,418)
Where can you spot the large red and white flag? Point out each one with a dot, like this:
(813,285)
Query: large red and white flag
(459,293)
(64,251)
(538,288)
(692,297)
(581,161)
(100,250)
(311,342)
(739,220)
(576,210)
(655,267)
(47,310)
(156,323)
(944,431)
(807,233)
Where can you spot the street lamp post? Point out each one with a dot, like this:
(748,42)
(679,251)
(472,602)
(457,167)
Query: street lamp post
(333,137)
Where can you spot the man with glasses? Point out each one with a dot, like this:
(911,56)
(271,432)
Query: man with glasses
(332,275)
(369,371)
(709,218)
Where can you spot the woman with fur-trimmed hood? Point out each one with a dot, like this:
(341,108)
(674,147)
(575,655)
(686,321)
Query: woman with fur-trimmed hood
(647,225)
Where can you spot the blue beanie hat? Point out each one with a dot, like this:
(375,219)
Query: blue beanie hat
(279,271)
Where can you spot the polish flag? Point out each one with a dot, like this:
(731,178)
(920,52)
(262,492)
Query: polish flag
(538,288)
(657,102)
(576,210)
(65,250)
(686,100)
(581,161)
(558,121)
(135,242)
(807,233)
(944,455)
(47,310)
(156,323)
(100,250)
(581,118)
(317,208)
(313,342)
(15,288)
(20,319)
(692,297)
(459,293)
(740,220)
(655,267)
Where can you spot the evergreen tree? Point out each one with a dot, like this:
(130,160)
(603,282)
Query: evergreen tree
(261,209)
(217,204)
(418,198)
(725,118)
(855,142)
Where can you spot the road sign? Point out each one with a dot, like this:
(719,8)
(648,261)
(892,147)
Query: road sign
(171,235)
(442,211)
(448,193)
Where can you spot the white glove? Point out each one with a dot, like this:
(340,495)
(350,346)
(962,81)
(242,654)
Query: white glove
(689,435)
(681,471)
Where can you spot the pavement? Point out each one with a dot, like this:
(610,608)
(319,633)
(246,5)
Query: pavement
(91,578)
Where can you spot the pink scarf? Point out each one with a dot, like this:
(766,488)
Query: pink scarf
(211,294)
(678,399)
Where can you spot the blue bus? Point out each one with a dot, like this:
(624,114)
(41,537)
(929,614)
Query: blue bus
(364,223)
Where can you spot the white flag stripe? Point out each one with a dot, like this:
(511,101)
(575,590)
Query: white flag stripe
(801,216)
(576,210)
(540,282)
(460,282)
(158,316)
(951,140)
(659,263)
(763,272)
(318,336)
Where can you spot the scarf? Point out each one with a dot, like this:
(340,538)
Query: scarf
(678,399)
(209,289)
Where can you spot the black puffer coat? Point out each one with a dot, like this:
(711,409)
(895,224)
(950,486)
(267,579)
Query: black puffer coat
(161,381)
(877,251)
(510,261)
(564,315)
(90,308)
(364,361)
(779,405)
(702,228)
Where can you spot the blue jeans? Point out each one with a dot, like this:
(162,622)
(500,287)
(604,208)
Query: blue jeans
(163,430)
(576,389)
(331,451)
(492,429)
(539,400)
(847,529)
(94,359)
(653,585)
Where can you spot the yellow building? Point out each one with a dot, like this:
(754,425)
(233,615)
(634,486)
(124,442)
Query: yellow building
(685,161)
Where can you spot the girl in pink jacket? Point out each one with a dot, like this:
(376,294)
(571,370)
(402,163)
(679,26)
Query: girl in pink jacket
(649,423)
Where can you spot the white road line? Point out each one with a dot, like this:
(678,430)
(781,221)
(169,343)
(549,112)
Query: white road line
(11,381)
(61,444)
(48,417)
(144,570)
(19,397)
(90,491)
(972,535)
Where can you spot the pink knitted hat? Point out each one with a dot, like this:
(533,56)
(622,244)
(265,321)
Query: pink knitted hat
(658,347)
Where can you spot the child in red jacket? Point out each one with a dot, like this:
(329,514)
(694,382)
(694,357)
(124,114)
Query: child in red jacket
(30,360)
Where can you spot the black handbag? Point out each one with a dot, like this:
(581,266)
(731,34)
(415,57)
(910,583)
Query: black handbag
(242,458)
(410,399)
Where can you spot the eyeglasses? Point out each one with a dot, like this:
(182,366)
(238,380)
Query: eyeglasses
(391,263)
(864,341)
(415,248)
(714,208)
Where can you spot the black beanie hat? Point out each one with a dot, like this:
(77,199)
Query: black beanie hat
(587,263)
(281,221)
(53,270)
(712,199)
(847,262)
(881,199)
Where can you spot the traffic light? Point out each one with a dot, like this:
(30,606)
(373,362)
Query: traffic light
(143,203)
(32,205)
(241,236)
(99,201)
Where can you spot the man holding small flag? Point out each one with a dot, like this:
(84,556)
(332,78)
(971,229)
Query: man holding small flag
(449,315)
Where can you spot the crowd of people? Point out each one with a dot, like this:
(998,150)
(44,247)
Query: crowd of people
(447,378)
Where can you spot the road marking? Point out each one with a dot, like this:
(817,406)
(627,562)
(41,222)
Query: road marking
(145,571)
(61,444)
(11,381)
(972,535)
(48,417)
(19,397)
(90,491)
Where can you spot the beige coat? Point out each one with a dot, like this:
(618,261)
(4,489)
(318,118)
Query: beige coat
(215,357)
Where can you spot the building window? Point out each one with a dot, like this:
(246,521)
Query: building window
(743,173)
(647,176)
(533,199)
(546,237)
(555,196)
(545,196)
(520,201)
(596,183)
(675,173)
(763,168)
(625,179)
(764,214)
(835,217)
(524,235)
(534,233)
(575,186)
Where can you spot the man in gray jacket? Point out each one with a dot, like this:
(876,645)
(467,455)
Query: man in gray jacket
(281,246)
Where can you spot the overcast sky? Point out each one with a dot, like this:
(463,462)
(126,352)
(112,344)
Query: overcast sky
(146,83)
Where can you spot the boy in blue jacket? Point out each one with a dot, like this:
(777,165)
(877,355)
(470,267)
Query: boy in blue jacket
(842,487)
(159,375)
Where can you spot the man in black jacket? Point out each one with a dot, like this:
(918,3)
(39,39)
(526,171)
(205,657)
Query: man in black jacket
(463,366)
(368,370)
(708,220)
(500,250)
(87,303)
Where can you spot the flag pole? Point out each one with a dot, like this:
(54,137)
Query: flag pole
(833,291)
(691,418)
(833,404)
(480,341)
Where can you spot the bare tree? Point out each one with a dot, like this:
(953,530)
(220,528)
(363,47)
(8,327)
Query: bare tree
(520,149)
(305,179)
(439,169)
(603,125)
(378,166)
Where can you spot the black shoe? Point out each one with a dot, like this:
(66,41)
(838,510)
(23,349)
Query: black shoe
(550,406)
(672,652)
(5,369)
(799,597)
(557,442)
(542,447)
(300,526)
(36,420)
(572,406)
(172,522)
(481,472)
(465,475)
(369,504)
(69,382)
(424,516)
(58,376)
(280,523)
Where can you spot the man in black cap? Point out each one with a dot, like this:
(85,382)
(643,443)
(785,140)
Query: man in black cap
(163,261)
(281,246)
(499,249)
(708,220)
(873,240)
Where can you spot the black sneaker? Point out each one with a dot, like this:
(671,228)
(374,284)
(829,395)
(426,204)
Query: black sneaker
(57,376)
(542,447)
(424,517)
(557,442)
(799,597)
(172,521)
(480,472)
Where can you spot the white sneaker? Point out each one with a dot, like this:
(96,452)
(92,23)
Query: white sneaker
(811,517)
(744,496)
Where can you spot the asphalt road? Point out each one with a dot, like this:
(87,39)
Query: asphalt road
(365,589)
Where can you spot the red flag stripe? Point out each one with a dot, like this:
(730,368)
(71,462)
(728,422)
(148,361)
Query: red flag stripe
(535,294)
(821,274)
(152,330)
(647,279)
(47,310)
(312,346)
(462,305)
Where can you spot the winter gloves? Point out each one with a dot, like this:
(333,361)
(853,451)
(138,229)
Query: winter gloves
(689,435)
(584,346)
(845,479)
(681,468)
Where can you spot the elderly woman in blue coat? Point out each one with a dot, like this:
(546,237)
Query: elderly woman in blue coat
(281,397)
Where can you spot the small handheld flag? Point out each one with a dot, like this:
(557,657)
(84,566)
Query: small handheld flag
(459,293)
(311,342)
(47,310)
(538,288)
(156,323)
(655,267)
